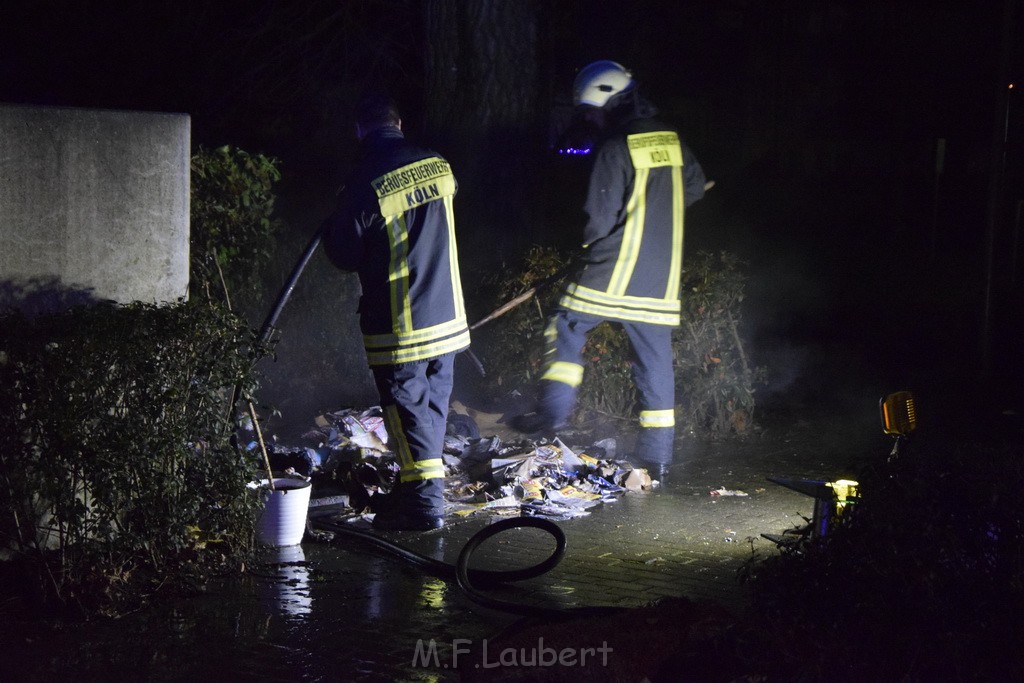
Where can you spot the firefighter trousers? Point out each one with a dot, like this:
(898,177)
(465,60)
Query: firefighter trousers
(414,398)
(652,374)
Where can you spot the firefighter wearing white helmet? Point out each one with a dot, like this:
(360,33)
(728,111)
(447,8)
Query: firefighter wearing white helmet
(642,180)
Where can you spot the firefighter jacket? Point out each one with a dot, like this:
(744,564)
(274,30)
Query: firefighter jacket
(395,227)
(642,180)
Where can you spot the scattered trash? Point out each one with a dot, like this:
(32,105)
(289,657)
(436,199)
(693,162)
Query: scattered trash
(637,480)
(727,492)
(329,501)
(365,430)
(484,475)
(303,461)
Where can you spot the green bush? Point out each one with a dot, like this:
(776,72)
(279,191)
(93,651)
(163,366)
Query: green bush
(232,227)
(715,382)
(118,471)
(921,581)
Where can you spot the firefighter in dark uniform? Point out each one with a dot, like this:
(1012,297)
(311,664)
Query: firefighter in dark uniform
(395,227)
(642,180)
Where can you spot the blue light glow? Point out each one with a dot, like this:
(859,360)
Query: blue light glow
(574,150)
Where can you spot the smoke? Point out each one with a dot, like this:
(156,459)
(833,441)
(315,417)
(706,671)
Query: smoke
(318,364)
(803,316)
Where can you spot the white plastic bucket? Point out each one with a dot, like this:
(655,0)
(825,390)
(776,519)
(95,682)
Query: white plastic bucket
(283,521)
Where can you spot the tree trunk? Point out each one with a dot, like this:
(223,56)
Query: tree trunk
(481,107)
(481,66)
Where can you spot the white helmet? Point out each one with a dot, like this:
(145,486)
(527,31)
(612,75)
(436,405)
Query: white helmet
(598,82)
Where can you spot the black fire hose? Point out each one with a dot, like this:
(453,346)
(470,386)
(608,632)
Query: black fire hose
(286,292)
(469,579)
(282,299)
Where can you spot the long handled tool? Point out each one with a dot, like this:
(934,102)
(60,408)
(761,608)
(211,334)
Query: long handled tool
(509,305)
(524,297)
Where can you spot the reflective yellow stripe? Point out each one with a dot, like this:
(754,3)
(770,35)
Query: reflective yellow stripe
(632,235)
(658,418)
(551,331)
(422,470)
(550,340)
(578,291)
(631,308)
(678,207)
(408,354)
(378,341)
(616,313)
(398,274)
(566,373)
(396,437)
(453,260)
(409,469)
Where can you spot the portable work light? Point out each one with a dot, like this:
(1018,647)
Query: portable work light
(898,414)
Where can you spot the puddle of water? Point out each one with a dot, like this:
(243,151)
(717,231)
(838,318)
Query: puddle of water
(319,613)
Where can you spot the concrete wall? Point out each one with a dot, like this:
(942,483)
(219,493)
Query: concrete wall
(94,205)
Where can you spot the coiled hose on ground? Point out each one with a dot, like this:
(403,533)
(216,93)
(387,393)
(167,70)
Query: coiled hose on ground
(469,580)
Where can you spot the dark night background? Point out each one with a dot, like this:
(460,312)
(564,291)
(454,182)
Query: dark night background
(819,121)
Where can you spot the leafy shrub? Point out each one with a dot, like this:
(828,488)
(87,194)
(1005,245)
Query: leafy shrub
(119,475)
(921,582)
(715,383)
(232,228)
(607,386)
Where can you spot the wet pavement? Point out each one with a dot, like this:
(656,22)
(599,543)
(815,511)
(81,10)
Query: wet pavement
(342,610)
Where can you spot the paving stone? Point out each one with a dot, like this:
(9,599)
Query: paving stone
(357,613)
